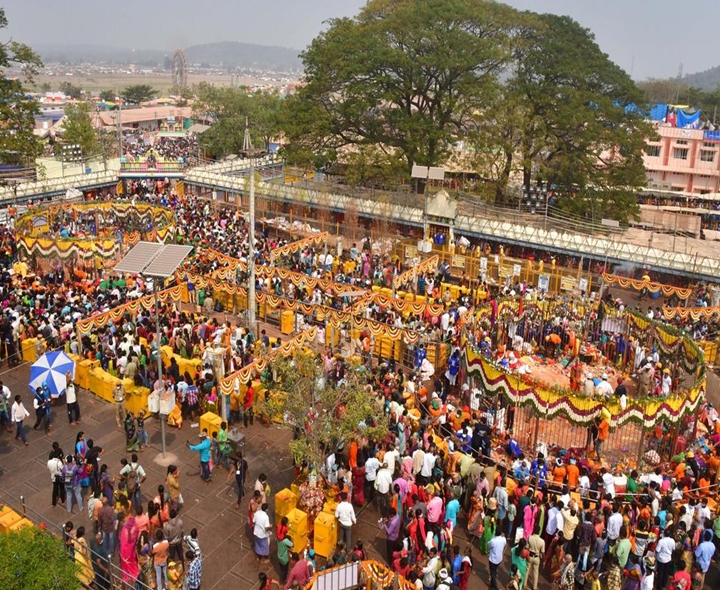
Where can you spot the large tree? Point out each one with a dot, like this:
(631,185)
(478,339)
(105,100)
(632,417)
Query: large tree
(138,93)
(228,108)
(18,143)
(77,129)
(574,121)
(402,73)
(324,413)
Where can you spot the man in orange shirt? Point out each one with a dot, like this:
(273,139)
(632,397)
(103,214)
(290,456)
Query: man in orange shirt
(603,431)
(559,472)
(573,474)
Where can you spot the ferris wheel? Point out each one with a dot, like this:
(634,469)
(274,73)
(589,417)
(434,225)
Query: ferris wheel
(179,71)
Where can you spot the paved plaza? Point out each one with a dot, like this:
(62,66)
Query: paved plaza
(224,536)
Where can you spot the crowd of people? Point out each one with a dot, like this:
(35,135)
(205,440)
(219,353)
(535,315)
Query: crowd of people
(149,541)
(144,146)
(436,475)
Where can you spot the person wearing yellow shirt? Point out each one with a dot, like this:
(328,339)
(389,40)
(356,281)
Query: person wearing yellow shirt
(236,401)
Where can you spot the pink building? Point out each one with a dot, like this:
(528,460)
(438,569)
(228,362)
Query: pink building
(684,160)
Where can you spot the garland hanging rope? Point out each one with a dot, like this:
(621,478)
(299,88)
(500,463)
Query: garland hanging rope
(581,410)
(116,314)
(294,247)
(694,313)
(333,317)
(427,265)
(639,285)
(244,375)
(35,234)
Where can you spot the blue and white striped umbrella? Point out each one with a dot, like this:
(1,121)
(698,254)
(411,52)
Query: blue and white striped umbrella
(51,368)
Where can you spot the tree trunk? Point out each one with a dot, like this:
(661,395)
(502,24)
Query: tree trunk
(502,182)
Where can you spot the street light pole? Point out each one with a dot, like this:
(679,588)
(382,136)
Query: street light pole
(247,147)
(161,383)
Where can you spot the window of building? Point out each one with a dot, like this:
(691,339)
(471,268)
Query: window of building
(681,142)
(653,151)
(710,144)
(680,153)
(707,155)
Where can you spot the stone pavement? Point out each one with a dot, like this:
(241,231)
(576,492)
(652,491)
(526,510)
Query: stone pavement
(224,536)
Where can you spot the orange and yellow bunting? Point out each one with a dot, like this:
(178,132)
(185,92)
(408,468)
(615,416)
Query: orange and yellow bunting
(293,247)
(116,314)
(639,285)
(694,313)
(427,265)
(228,384)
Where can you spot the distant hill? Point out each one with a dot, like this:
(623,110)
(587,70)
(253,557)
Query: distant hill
(233,54)
(707,80)
(230,54)
(99,54)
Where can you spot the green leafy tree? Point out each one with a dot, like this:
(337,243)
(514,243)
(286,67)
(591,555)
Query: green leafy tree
(372,166)
(571,125)
(138,93)
(77,129)
(402,73)
(107,95)
(323,413)
(71,90)
(18,144)
(32,558)
(228,108)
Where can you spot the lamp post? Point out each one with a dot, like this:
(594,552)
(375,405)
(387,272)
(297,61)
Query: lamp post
(247,148)
(158,261)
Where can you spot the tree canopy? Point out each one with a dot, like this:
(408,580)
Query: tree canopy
(228,107)
(18,144)
(325,413)
(403,73)
(138,93)
(107,95)
(572,122)
(33,558)
(523,94)
(78,129)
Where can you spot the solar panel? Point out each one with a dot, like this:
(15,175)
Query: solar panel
(151,259)
(167,261)
(139,257)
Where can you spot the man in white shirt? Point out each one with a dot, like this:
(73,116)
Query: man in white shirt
(551,527)
(371,468)
(613,526)
(428,464)
(496,549)
(584,483)
(383,485)
(429,571)
(702,512)
(73,409)
(608,483)
(345,513)
(604,388)
(663,555)
(261,532)
(55,466)
(391,458)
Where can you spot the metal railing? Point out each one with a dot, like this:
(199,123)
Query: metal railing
(562,241)
(55,186)
(56,530)
(144,166)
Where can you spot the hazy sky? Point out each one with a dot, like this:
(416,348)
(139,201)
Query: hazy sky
(643,36)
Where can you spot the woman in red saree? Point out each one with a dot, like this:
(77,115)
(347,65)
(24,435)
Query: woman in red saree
(128,553)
